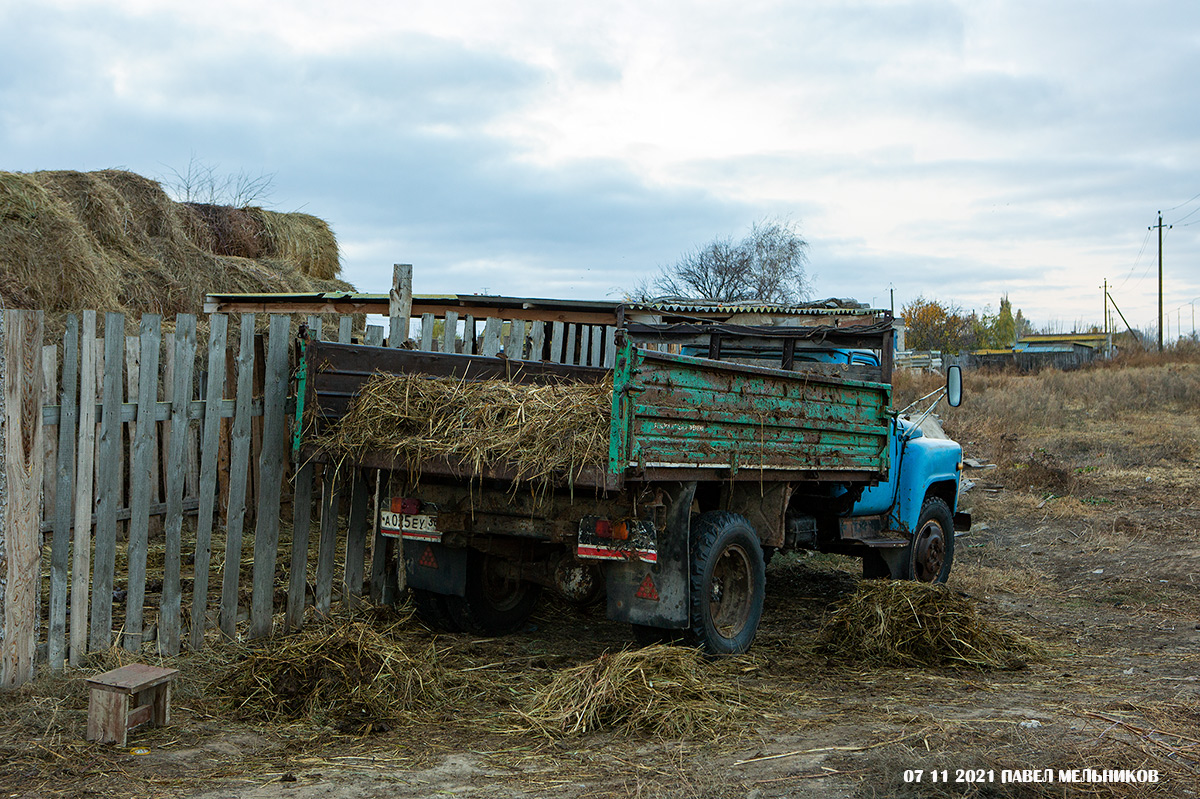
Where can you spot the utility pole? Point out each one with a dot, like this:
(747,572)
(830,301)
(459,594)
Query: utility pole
(1160,282)
(1107,340)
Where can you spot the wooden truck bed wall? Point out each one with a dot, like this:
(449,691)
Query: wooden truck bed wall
(675,417)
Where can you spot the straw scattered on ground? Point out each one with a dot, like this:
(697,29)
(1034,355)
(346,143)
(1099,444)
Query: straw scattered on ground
(353,675)
(545,433)
(667,691)
(906,623)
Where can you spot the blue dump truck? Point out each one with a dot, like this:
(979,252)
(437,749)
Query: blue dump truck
(726,443)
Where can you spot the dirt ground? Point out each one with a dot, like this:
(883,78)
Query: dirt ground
(1086,538)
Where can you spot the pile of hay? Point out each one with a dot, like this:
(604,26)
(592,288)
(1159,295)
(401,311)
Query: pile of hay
(114,241)
(543,432)
(905,623)
(352,675)
(668,691)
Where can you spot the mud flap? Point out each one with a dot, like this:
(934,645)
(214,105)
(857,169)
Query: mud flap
(435,567)
(656,595)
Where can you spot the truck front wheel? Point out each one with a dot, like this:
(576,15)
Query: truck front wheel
(931,552)
(495,603)
(728,583)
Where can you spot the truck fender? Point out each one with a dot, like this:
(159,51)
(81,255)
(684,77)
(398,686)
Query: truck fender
(657,594)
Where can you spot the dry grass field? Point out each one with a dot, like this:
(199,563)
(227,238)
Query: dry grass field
(1086,544)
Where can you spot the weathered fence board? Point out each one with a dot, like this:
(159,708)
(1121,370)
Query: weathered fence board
(399,304)
(302,523)
(139,479)
(21,466)
(217,333)
(266,536)
(170,609)
(356,541)
(330,499)
(60,548)
(108,476)
(81,564)
(491,337)
(239,466)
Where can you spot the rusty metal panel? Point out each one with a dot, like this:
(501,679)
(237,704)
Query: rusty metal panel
(678,411)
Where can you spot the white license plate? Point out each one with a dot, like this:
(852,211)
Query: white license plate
(417,525)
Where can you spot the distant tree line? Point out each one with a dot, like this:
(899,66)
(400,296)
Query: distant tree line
(934,325)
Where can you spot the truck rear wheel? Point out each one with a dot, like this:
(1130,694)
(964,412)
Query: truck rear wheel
(728,583)
(931,552)
(495,603)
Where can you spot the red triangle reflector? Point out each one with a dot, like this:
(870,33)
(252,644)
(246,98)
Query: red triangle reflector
(648,590)
(428,559)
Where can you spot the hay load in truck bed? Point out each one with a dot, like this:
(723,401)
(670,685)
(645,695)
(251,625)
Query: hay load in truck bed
(475,416)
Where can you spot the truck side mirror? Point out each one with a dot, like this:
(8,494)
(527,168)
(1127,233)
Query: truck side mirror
(954,386)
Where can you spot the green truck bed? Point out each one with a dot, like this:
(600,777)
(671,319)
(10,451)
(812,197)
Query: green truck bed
(674,416)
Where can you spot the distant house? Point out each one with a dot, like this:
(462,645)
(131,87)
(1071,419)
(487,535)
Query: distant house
(1058,351)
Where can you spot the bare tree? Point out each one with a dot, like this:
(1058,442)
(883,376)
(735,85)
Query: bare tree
(203,182)
(768,264)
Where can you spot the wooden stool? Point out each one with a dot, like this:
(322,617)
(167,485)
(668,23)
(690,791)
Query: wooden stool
(110,716)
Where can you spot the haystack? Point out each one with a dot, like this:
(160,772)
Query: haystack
(114,241)
(668,691)
(542,432)
(905,623)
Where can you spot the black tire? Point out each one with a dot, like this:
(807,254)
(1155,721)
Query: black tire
(433,612)
(930,554)
(494,604)
(728,583)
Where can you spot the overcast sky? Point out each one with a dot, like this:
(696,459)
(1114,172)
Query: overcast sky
(959,150)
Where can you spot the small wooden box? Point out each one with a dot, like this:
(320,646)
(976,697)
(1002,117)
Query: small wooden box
(124,698)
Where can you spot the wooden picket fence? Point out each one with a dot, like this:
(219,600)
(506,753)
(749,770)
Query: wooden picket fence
(112,441)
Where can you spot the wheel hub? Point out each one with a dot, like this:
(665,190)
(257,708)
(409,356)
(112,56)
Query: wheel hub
(730,591)
(929,552)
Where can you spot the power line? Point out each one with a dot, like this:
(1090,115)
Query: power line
(1185,202)
(1137,260)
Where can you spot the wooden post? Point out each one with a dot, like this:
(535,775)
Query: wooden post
(50,434)
(427,332)
(108,479)
(81,564)
(468,347)
(302,518)
(60,549)
(139,479)
(450,331)
(491,336)
(556,342)
(356,542)
(218,327)
(239,466)
(515,348)
(399,304)
(21,468)
(569,355)
(330,495)
(345,329)
(274,453)
(610,347)
(373,337)
(170,608)
(597,353)
(537,340)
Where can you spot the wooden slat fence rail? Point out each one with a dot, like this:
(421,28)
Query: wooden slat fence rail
(142,463)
